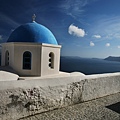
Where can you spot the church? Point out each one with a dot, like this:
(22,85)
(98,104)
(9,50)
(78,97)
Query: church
(32,50)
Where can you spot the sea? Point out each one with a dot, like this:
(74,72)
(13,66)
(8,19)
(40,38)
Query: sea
(88,65)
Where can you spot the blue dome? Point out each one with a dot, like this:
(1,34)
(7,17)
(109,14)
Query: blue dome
(32,32)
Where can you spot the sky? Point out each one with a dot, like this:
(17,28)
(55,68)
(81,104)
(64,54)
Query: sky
(84,28)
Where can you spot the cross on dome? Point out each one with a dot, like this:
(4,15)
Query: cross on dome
(32,32)
(33,17)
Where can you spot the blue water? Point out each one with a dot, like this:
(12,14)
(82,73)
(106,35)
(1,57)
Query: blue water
(88,66)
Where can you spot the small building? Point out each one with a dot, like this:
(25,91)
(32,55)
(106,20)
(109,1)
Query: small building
(32,50)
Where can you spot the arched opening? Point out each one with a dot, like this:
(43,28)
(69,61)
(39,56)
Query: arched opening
(51,60)
(7,58)
(27,60)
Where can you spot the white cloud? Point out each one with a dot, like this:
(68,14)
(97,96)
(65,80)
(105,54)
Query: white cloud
(12,30)
(107,45)
(74,30)
(74,8)
(118,46)
(96,36)
(8,20)
(1,37)
(92,44)
(107,26)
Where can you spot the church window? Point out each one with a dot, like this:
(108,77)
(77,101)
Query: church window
(27,60)
(51,60)
(7,58)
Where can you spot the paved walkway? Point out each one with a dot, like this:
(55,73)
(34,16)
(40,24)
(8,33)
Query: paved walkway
(91,110)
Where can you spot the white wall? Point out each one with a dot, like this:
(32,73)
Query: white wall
(45,69)
(40,58)
(28,97)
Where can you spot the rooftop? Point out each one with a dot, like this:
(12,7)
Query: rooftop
(32,32)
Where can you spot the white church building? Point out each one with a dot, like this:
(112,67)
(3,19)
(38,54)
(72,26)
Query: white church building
(32,50)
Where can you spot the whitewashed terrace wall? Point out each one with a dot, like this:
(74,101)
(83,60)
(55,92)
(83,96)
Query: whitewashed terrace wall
(27,97)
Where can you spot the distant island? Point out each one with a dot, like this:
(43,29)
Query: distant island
(112,58)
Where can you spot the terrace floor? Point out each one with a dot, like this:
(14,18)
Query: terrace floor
(105,108)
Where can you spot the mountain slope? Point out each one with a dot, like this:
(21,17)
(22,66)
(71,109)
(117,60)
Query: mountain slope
(111,58)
